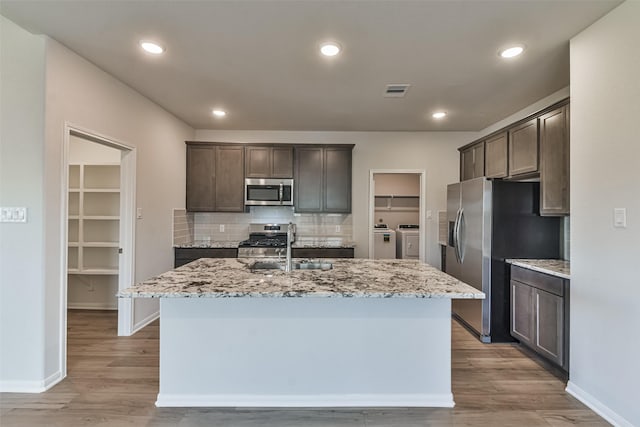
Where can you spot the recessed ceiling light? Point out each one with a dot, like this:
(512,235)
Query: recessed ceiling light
(152,47)
(512,51)
(219,113)
(330,48)
(439,115)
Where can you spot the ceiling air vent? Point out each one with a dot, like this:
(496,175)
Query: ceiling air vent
(396,90)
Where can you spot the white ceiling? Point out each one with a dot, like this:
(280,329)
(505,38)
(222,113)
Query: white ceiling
(259,59)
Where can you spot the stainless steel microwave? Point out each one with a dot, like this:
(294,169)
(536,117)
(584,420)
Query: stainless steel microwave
(268,192)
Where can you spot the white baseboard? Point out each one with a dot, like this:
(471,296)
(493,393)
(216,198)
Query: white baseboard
(596,406)
(310,401)
(31,386)
(90,306)
(144,322)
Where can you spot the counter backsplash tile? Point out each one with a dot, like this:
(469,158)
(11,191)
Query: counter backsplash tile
(183,227)
(205,226)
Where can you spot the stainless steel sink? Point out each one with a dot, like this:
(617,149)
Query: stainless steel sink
(313,266)
(266,265)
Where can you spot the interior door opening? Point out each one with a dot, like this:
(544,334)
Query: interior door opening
(396,215)
(98,228)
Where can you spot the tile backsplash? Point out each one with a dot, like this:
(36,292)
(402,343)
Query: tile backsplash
(206,226)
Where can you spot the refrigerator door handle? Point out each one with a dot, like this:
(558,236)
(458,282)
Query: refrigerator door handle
(456,242)
(460,230)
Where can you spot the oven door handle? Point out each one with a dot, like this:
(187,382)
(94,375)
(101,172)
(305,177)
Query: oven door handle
(281,193)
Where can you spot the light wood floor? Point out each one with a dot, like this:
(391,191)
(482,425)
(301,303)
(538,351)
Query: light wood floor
(113,381)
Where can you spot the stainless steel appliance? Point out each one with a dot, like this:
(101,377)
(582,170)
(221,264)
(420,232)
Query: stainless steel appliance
(408,241)
(268,192)
(489,221)
(265,240)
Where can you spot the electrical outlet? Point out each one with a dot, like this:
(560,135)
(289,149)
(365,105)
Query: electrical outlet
(338,229)
(222,228)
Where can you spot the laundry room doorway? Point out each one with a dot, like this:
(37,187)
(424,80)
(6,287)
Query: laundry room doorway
(397,214)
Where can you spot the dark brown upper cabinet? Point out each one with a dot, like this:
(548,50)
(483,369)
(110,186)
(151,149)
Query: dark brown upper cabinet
(472,161)
(497,156)
(322,179)
(215,178)
(523,149)
(268,161)
(554,162)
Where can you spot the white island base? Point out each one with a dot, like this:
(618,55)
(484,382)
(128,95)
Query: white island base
(309,352)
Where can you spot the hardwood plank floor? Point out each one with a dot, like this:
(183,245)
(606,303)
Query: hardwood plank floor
(113,381)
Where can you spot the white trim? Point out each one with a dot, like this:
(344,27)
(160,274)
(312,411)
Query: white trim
(144,322)
(596,406)
(312,401)
(31,386)
(422,211)
(90,306)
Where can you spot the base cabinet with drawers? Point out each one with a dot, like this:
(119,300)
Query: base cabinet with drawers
(540,314)
(322,252)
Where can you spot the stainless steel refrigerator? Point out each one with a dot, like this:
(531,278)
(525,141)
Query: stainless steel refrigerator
(488,222)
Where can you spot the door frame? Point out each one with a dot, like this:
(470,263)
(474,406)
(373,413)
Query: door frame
(421,213)
(126,262)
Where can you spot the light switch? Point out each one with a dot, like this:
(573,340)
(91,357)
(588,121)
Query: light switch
(620,217)
(338,229)
(13,214)
(429,214)
(139,213)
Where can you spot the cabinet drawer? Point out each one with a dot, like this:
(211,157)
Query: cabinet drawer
(546,282)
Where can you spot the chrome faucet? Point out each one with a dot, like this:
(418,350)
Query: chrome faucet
(290,239)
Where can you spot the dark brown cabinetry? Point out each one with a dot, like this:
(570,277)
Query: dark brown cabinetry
(184,256)
(472,161)
(215,178)
(322,179)
(496,156)
(268,162)
(540,313)
(523,148)
(322,252)
(554,162)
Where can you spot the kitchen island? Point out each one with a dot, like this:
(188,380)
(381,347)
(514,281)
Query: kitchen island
(364,333)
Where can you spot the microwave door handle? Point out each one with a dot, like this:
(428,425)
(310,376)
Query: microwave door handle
(281,193)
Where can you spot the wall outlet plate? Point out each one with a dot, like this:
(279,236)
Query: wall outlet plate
(13,214)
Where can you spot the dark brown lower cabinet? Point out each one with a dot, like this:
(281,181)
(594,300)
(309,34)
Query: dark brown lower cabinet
(540,314)
(184,256)
(322,252)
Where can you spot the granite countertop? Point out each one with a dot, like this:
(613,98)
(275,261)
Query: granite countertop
(314,242)
(323,242)
(231,277)
(203,244)
(554,267)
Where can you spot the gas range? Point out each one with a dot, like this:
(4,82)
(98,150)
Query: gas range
(265,240)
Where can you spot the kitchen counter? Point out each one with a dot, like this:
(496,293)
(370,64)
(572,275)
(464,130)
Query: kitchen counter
(363,278)
(215,245)
(311,243)
(555,267)
(365,333)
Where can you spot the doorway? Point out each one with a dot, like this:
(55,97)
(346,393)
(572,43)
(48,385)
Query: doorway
(97,228)
(396,214)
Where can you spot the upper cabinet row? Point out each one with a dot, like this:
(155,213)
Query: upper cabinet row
(535,148)
(216,174)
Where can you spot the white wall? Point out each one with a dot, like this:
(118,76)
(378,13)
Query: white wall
(436,152)
(605,277)
(44,86)
(22,80)
(80,93)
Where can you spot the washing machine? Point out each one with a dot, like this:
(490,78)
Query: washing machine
(384,242)
(408,241)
